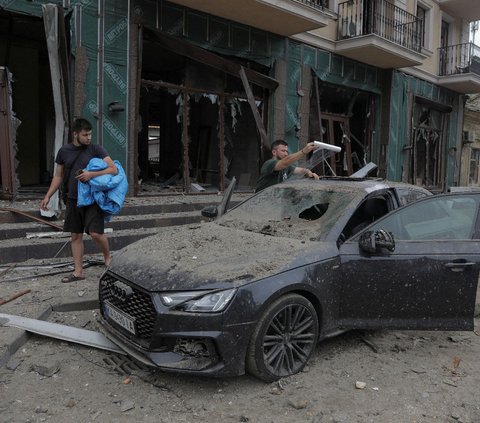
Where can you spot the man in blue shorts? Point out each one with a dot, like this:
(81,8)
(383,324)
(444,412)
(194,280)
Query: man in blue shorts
(71,159)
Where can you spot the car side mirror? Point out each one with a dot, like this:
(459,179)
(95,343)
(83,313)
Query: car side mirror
(210,212)
(373,242)
(213,212)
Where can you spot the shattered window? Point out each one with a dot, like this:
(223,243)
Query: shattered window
(290,211)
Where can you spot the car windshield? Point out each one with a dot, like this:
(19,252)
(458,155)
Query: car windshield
(291,211)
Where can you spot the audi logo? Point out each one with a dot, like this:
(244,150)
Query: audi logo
(120,291)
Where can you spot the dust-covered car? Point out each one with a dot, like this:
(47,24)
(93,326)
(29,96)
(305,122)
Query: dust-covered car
(257,288)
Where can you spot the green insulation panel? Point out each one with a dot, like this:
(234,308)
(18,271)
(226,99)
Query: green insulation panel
(31,8)
(403,87)
(105,38)
(210,32)
(293,82)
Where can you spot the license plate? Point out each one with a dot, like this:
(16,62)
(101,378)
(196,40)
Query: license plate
(120,318)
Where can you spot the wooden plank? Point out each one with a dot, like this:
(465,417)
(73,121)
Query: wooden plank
(253,106)
(208,58)
(7,137)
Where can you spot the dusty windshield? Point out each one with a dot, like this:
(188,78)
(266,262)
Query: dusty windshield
(290,211)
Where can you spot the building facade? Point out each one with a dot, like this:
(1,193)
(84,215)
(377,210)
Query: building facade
(190,94)
(470,169)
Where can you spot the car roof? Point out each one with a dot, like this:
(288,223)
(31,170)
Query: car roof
(353,184)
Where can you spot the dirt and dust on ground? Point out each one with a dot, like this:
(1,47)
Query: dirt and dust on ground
(360,376)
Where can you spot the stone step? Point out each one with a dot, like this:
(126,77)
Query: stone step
(127,210)
(138,219)
(19,250)
(16,247)
(118,223)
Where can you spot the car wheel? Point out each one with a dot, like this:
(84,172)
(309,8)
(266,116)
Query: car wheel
(284,339)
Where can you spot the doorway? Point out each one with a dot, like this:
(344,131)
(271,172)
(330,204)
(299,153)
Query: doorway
(198,128)
(23,53)
(343,117)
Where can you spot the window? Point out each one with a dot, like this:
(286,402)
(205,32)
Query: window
(474,175)
(424,15)
(421,15)
(425,164)
(439,217)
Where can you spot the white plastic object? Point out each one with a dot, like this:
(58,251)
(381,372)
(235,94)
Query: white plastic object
(325,146)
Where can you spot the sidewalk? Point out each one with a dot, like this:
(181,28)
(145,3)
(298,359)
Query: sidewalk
(40,295)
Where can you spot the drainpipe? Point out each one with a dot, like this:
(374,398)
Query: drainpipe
(462,100)
(100,60)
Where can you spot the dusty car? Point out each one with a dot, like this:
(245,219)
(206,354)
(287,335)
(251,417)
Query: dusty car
(257,288)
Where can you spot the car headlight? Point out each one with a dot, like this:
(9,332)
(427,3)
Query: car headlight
(198,301)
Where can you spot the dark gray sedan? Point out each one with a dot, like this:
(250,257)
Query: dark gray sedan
(257,288)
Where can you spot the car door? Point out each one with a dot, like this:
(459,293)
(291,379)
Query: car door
(428,281)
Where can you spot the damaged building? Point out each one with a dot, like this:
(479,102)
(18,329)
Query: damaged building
(188,95)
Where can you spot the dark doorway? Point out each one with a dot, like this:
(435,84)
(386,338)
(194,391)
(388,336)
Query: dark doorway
(198,129)
(347,121)
(23,51)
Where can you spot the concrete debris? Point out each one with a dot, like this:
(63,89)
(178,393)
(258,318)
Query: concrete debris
(126,405)
(47,371)
(13,364)
(196,188)
(360,385)
(298,404)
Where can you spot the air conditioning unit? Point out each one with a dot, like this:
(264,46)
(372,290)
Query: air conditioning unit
(468,136)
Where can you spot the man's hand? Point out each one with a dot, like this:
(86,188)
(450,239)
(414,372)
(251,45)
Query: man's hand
(84,176)
(309,148)
(310,174)
(44,203)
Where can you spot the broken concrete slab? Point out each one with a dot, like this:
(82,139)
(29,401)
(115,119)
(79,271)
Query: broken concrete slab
(18,339)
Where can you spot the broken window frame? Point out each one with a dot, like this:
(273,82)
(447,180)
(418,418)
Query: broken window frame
(434,160)
(187,92)
(334,123)
(247,76)
(474,167)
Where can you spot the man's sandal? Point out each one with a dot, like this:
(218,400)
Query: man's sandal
(72,278)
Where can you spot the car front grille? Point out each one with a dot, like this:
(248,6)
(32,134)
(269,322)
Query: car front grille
(138,305)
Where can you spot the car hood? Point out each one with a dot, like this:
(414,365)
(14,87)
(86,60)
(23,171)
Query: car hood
(209,255)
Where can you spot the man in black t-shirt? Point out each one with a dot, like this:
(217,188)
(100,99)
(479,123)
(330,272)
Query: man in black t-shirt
(71,159)
(280,166)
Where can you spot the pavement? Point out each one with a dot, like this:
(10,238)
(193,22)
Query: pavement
(33,289)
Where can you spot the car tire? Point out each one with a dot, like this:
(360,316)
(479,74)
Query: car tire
(284,339)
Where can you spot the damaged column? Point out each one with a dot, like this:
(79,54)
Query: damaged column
(8,130)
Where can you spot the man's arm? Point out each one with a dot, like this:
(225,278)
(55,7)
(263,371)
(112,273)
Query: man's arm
(111,169)
(54,185)
(306,172)
(294,157)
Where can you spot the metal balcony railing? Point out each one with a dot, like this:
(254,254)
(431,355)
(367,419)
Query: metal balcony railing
(382,18)
(316,4)
(459,58)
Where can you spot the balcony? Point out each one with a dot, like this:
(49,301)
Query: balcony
(379,33)
(465,9)
(283,17)
(459,68)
